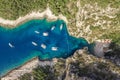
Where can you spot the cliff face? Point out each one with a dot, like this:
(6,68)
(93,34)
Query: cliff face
(83,66)
(80,66)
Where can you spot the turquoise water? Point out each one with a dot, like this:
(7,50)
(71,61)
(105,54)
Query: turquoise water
(36,38)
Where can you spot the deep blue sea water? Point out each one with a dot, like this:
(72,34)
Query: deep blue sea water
(34,38)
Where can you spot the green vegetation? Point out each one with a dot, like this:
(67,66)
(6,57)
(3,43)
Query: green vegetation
(59,68)
(114,35)
(102,3)
(64,7)
(39,73)
(26,76)
(12,9)
(77,66)
(94,68)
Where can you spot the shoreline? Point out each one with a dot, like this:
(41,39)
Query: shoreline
(33,15)
(27,67)
(21,70)
(31,64)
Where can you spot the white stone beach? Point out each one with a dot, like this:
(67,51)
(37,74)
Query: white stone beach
(34,15)
(26,68)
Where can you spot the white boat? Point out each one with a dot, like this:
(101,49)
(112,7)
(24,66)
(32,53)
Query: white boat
(53,28)
(54,48)
(43,46)
(35,44)
(61,26)
(11,45)
(45,34)
(37,32)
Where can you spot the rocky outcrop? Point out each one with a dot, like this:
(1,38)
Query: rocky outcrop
(92,21)
(85,66)
(80,66)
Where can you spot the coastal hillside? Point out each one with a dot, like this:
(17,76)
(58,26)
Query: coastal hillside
(90,19)
(80,66)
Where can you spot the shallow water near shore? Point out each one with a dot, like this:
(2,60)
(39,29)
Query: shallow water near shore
(36,38)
